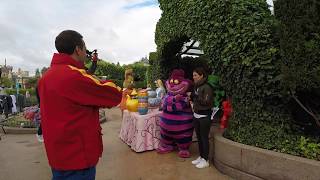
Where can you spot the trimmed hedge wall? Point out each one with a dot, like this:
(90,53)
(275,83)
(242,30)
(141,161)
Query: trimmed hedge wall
(241,41)
(300,57)
(115,72)
(300,43)
(21,91)
(154,69)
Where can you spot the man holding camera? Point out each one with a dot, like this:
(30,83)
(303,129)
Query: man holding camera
(70,102)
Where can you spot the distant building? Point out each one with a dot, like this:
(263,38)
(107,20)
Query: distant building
(21,73)
(21,77)
(6,71)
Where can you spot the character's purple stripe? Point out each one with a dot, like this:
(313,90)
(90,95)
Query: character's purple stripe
(178,136)
(181,145)
(177,132)
(177,117)
(176,127)
(178,141)
(165,141)
(177,112)
(184,145)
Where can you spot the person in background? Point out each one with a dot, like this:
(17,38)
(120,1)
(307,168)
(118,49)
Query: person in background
(161,91)
(39,131)
(202,101)
(70,102)
(14,106)
(27,94)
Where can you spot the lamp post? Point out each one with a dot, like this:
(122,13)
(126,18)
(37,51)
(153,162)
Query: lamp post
(17,84)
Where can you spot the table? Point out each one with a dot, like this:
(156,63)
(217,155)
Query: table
(141,132)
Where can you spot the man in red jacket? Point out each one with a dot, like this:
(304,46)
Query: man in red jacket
(70,102)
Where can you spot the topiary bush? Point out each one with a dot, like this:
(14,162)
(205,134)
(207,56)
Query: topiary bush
(300,60)
(154,69)
(241,40)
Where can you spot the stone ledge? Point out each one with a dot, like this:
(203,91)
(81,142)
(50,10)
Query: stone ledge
(16,130)
(232,172)
(247,162)
(12,130)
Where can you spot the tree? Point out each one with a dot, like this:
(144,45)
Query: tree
(37,73)
(110,70)
(32,82)
(6,82)
(237,38)
(43,70)
(144,60)
(300,57)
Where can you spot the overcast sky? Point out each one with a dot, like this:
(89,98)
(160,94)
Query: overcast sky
(121,30)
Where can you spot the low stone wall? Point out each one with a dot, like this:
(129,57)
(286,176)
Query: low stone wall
(247,162)
(12,130)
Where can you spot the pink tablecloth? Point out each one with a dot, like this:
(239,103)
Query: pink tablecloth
(141,132)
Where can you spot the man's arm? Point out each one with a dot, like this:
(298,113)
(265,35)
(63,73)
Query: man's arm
(84,89)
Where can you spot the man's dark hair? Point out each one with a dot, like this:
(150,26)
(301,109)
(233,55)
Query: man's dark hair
(201,71)
(67,41)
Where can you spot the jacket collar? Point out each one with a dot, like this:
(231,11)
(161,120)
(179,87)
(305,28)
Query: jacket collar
(202,81)
(65,59)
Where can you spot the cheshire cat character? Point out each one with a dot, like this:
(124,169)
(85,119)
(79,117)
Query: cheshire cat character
(176,118)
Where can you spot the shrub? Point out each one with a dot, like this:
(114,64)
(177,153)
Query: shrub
(21,91)
(300,59)
(241,41)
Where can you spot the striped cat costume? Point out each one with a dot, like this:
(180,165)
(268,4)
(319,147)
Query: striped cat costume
(176,119)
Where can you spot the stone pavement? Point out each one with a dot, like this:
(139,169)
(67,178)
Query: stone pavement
(23,158)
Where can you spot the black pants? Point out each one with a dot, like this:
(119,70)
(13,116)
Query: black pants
(39,130)
(202,128)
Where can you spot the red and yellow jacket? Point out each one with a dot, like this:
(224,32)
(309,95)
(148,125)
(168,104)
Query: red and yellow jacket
(70,102)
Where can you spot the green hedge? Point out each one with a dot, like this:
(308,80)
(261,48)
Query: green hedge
(241,40)
(154,69)
(21,91)
(115,72)
(300,43)
(16,121)
(32,101)
(299,35)
(110,70)
(138,84)
(118,82)
(300,57)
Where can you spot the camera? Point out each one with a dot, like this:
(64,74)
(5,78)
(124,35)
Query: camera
(92,55)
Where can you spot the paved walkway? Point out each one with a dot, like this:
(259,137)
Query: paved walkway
(23,158)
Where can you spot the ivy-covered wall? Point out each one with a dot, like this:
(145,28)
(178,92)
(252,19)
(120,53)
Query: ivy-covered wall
(300,43)
(299,34)
(240,39)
